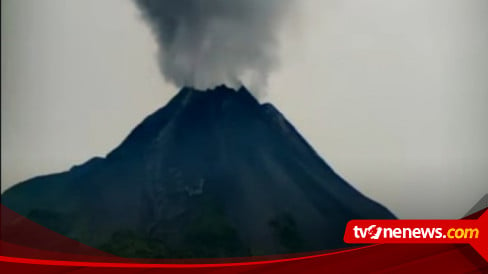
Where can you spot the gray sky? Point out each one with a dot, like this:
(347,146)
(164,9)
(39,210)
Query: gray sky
(392,94)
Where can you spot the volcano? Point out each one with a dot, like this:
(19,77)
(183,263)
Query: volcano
(211,174)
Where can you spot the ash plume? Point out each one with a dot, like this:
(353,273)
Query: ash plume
(205,43)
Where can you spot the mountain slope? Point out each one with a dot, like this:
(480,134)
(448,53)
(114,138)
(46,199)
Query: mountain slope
(211,174)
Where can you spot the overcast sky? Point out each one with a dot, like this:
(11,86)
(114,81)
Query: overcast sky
(392,94)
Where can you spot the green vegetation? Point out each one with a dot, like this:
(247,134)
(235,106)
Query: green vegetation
(207,234)
(131,245)
(286,231)
(211,234)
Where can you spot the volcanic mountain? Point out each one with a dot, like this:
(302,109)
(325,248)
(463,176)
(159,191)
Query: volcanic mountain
(211,174)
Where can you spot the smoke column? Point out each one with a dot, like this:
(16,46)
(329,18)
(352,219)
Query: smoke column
(204,43)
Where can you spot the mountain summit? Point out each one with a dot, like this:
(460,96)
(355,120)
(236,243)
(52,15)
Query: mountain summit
(211,174)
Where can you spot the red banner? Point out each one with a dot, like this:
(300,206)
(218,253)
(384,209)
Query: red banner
(473,232)
(31,248)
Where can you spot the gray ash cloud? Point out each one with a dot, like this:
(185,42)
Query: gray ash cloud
(204,43)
